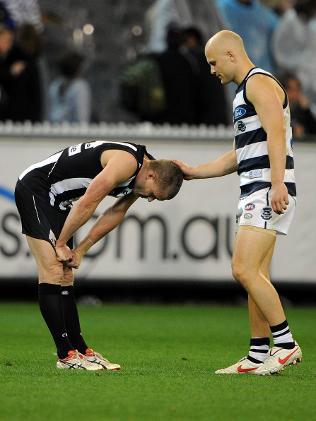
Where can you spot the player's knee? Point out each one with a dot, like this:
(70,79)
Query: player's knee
(240,272)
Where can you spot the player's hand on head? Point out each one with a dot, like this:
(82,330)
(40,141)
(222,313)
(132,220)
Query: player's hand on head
(279,198)
(185,168)
(63,253)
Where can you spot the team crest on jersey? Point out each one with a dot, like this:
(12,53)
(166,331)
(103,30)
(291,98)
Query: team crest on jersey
(241,126)
(239,112)
(266,213)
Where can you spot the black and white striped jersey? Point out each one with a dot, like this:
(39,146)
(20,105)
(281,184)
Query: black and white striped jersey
(251,143)
(64,177)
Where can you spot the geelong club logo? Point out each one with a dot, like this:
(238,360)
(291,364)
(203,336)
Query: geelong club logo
(266,213)
(241,126)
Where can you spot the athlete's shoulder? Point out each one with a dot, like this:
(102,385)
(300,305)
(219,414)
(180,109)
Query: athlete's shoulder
(258,75)
(260,84)
(258,71)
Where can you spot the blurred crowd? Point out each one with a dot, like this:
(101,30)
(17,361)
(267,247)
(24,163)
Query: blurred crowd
(37,83)
(167,79)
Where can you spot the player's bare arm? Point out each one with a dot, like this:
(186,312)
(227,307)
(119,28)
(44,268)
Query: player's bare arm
(267,97)
(106,222)
(223,165)
(118,168)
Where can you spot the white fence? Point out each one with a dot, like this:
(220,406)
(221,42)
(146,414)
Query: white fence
(188,238)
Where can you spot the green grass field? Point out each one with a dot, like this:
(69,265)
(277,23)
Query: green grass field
(168,355)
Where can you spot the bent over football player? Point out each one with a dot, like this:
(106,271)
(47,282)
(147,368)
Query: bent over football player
(45,193)
(263,158)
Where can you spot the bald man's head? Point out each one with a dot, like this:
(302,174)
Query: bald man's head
(226,40)
(226,55)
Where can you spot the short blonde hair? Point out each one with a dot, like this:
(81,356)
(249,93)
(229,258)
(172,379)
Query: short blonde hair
(169,177)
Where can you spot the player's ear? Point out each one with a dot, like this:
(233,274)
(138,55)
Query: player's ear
(230,55)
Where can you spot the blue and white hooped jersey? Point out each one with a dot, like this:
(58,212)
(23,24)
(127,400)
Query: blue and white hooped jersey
(251,143)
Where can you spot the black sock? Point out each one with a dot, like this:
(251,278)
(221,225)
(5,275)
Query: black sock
(51,308)
(72,319)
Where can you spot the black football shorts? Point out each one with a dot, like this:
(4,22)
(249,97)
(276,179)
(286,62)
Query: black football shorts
(38,218)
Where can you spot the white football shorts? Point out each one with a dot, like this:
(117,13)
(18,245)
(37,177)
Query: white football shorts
(255,210)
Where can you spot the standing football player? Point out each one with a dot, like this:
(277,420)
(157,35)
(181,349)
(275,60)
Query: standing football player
(263,158)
